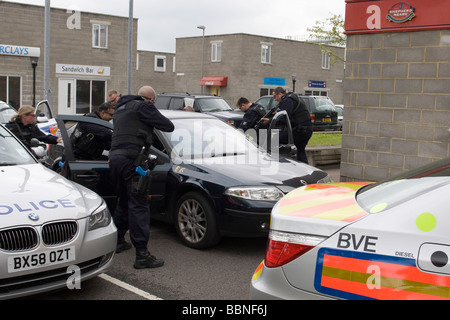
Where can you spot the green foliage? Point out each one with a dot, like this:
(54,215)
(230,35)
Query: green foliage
(329,33)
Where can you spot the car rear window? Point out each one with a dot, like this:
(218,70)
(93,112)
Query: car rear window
(389,193)
(323,105)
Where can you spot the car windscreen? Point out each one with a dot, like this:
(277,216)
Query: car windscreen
(207,138)
(323,105)
(6,112)
(11,151)
(212,105)
(389,193)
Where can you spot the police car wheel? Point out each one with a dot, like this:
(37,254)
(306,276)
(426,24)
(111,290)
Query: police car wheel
(195,221)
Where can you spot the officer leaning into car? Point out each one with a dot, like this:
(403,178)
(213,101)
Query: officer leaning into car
(253,113)
(134,120)
(300,118)
(89,139)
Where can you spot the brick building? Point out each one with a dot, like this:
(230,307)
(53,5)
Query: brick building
(252,66)
(397,87)
(89,55)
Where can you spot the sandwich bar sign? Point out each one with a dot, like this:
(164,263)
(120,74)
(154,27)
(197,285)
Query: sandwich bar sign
(362,16)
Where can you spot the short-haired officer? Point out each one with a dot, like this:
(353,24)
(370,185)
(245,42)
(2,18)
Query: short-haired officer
(134,120)
(253,113)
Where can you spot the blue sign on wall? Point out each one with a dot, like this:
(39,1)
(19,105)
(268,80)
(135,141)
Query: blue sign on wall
(317,84)
(274,81)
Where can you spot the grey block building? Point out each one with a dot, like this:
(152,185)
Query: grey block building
(89,56)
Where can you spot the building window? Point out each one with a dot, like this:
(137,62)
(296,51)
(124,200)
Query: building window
(216,51)
(266,52)
(316,93)
(160,63)
(10,88)
(100,36)
(90,95)
(325,60)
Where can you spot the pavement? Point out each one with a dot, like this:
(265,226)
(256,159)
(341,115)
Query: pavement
(334,170)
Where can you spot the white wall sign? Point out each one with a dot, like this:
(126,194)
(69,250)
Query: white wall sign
(83,70)
(19,51)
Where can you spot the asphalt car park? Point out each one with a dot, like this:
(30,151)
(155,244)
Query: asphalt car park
(52,231)
(213,105)
(209,181)
(324,115)
(356,240)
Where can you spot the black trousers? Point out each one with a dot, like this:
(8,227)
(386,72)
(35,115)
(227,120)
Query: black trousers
(133,210)
(301,139)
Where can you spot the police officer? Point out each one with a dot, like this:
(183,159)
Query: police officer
(90,139)
(253,113)
(300,120)
(134,120)
(23,126)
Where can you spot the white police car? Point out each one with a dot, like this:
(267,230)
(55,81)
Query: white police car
(53,233)
(387,240)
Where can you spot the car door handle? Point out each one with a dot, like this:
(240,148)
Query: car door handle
(86,176)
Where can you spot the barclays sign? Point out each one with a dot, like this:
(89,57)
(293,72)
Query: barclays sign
(19,51)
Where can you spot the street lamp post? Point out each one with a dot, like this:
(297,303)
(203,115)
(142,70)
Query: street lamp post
(34,62)
(203,52)
(293,82)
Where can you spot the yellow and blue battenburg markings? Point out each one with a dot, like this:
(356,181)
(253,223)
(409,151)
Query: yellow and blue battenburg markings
(360,275)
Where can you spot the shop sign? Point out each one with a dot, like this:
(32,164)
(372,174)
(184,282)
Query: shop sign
(401,12)
(19,51)
(317,84)
(73,69)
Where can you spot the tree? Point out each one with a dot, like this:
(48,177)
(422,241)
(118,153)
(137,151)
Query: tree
(327,34)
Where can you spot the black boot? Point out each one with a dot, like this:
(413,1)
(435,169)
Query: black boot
(145,260)
(122,245)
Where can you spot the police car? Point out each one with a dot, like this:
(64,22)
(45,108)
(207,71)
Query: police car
(53,233)
(387,240)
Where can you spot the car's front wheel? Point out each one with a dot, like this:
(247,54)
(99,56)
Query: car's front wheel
(195,221)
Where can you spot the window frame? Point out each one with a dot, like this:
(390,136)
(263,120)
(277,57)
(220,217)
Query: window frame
(216,51)
(97,40)
(164,60)
(326,58)
(266,52)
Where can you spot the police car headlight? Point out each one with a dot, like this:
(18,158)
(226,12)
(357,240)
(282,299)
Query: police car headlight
(100,218)
(256,193)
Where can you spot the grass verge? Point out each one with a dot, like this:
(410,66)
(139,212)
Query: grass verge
(325,139)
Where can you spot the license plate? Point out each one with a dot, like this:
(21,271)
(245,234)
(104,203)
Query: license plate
(41,259)
(326,119)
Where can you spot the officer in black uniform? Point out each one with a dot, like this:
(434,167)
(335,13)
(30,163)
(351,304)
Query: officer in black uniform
(253,113)
(89,140)
(300,120)
(134,120)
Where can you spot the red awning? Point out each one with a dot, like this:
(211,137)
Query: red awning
(214,81)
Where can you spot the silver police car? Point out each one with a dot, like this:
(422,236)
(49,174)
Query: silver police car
(53,233)
(354,240)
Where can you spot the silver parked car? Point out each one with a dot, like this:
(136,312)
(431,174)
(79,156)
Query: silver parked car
(354,240)
(53,232)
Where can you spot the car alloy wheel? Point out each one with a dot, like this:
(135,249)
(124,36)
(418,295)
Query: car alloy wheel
(195,221)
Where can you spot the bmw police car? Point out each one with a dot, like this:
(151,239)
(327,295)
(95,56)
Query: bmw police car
(388,240)
(53,233)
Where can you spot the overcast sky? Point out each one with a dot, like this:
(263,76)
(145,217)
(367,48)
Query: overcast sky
(162,22)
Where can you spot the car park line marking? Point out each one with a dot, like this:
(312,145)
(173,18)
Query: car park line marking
(129,287)
(358,275)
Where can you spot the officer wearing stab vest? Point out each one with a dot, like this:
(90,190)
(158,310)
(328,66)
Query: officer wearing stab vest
(134,120)
(253,113)
(299,117)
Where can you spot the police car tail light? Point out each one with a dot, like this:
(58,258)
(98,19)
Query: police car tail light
(283,247)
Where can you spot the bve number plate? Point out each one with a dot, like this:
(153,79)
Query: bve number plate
(41,259)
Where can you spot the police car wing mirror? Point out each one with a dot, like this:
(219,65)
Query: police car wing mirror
(41,118)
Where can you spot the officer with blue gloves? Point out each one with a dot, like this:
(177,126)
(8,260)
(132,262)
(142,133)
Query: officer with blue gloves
(134,120)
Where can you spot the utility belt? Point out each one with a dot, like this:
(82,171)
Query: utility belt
(141,182)
(302,129)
